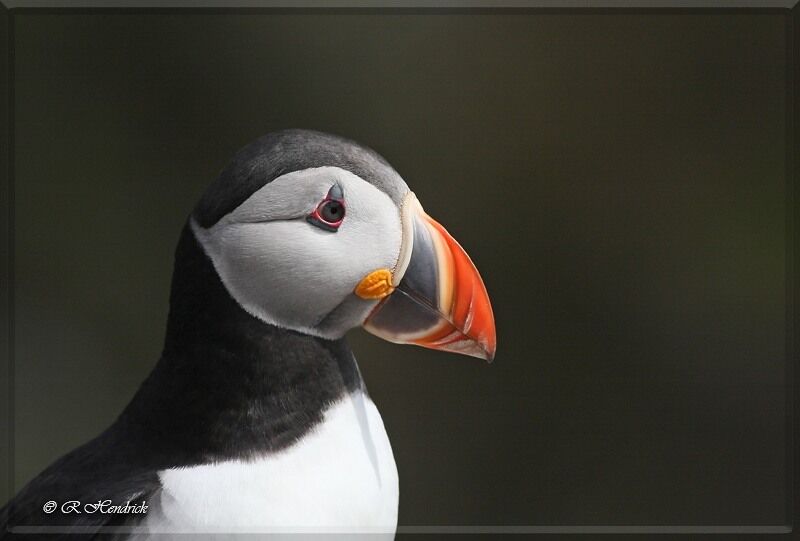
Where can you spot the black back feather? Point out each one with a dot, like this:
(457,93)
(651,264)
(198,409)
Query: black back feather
(227,386)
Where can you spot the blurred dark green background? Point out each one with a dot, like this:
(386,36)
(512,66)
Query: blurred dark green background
(618,178)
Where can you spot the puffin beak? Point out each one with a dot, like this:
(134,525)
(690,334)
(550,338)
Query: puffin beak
(434,297)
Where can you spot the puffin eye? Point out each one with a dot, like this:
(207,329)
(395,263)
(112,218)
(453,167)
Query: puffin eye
(330,212)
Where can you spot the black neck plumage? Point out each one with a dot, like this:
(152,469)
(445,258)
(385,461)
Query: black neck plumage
(229,385)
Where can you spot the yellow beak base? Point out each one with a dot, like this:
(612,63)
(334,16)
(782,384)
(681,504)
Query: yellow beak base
(375,285)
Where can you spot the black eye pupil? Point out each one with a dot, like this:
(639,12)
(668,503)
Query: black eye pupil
(332,211)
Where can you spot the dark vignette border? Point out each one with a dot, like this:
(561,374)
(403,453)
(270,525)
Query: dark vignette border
(792,255)
(792,29)
(6,251)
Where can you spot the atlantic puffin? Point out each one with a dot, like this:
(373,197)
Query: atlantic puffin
(255,417)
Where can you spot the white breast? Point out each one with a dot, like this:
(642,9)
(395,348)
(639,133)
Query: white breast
(340,477)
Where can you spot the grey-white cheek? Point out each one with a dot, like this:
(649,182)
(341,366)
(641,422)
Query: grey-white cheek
(266,280)
(293,275)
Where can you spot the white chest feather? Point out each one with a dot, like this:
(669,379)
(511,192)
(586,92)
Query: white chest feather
(340,477)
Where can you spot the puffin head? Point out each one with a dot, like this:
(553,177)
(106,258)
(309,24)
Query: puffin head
(318,234)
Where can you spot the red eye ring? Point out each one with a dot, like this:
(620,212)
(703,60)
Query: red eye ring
(329,214)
